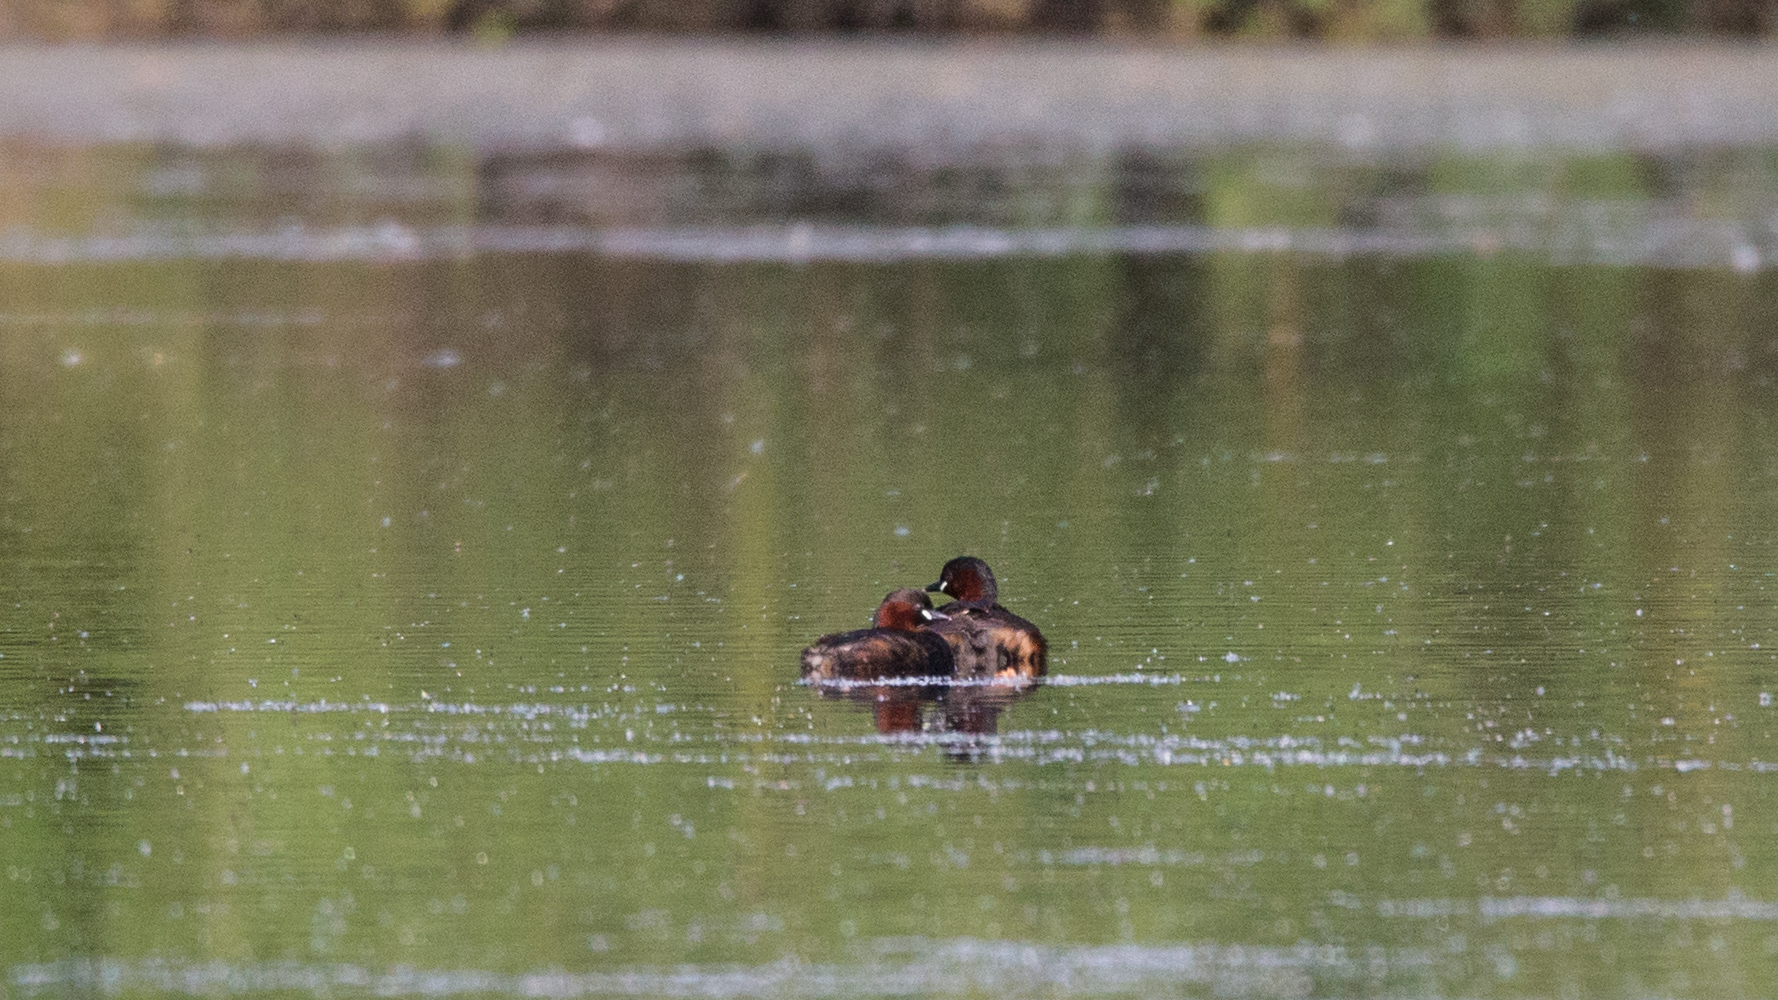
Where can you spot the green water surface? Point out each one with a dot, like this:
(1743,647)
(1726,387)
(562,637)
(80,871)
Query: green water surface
(393,621)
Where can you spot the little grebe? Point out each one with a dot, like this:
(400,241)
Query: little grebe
(986,639)
(897,647)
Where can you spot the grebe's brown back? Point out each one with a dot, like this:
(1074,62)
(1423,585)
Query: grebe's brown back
(899,645)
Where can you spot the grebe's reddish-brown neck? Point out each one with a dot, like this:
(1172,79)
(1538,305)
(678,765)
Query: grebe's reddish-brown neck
(905,610)
(967,579)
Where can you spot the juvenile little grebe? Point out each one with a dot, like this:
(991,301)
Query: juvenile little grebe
(986,639)
(897,647)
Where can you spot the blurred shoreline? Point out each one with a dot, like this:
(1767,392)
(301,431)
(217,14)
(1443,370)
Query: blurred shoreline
(1339,21)
(918,100)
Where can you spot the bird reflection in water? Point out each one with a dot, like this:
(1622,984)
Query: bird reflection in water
(900,705)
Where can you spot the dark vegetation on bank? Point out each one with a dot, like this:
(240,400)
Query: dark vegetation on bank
(494,20)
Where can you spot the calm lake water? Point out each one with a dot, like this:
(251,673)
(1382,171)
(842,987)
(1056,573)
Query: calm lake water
(404,559)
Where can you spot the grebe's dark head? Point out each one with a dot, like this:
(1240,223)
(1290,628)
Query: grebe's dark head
(905,609)
(968,579)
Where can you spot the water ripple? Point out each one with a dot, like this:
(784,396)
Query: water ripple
(890,967)
(1656,241)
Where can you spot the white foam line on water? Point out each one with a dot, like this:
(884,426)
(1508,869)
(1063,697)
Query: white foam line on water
(912,966)
(1096,680)
(1041,746)
(892,967)
(922,681)
(732,750)
(1733,906)
(298,707)
(519,741)
(518,710)
(1675,242)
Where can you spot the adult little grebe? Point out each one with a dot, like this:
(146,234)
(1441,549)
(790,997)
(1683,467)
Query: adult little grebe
(986,639)
(897,647)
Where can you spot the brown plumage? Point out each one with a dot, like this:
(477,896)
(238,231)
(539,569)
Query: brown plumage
(897,647)
(986,639)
